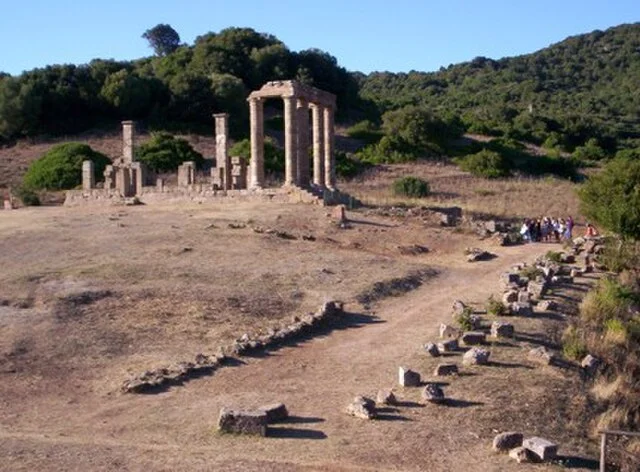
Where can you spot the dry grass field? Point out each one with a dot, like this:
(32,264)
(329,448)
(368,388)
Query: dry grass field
(90,296)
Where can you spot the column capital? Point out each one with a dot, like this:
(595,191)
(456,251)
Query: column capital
(220,115)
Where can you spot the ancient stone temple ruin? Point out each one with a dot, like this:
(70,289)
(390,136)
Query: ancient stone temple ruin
(308,123)
(298,99)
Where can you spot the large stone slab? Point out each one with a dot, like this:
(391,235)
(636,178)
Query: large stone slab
(408,378)
(476,356)
(472,338)
(503,442)
(242,422)
(450,345)
(541,448)
(445,369)
(275,412)
(501,329)
(362,407)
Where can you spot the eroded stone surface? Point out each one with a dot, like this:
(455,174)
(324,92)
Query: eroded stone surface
(362,407)
(242,422)
(446,369)
(541,448)
(503,442)
(275,412)
(432,393)
(501,329)
(471,338)
(476,356)
(386,397)
(408,378)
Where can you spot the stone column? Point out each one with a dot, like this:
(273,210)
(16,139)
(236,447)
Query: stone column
(329,158)
(127,141)
(222,148)
(88,175)
(257,143)
(290,141)
(140,174)
(318,145)
(123,183)
(303,143)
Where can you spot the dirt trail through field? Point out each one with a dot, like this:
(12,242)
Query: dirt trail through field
(174,430)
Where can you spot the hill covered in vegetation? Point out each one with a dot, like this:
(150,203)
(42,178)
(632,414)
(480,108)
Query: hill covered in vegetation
(582,88)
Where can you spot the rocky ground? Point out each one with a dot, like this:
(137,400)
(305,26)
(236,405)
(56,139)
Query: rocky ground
(90,297)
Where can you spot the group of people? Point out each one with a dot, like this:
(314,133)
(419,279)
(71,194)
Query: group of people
(547,229)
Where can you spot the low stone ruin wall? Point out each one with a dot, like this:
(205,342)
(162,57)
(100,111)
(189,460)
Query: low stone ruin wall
(205,193)
(206,364)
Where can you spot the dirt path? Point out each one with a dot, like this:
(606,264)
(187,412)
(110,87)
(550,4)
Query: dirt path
(174,430)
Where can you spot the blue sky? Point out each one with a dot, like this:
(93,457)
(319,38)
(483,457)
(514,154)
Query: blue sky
(400,35)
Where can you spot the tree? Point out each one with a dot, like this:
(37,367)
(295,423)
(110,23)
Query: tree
(612,197)
(61,167)
(164,153)
(163,39)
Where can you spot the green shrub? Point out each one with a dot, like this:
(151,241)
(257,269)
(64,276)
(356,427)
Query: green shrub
(60,168)
(610,300)
(164,153)
(573,345)
(464,319)
(27,196)
(365,131)
(612,198)
(273,155)
(412,187)
(495,307)
(347,167)
(591,151)
(619,255)
(486,163)
(531,272)
(554,256)
(387,151)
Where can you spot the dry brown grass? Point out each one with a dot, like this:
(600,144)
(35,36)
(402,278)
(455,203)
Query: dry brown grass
(506,198)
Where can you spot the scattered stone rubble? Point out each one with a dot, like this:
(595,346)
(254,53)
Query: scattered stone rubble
(475,254)
(362,407)
(204,364)
(243,422)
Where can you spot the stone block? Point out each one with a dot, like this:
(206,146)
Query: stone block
(476,356)
(524,297)
(537,289)
(546,305)
(445,369)
(450,345)
(432,393)
(472,338)
(275,412)
(541,355)
(541,448)
(386,397)
(8,205)
(243,422)
(503,442)
(510,277)
(408,378)
(520,454)
(432,349)
(521,309)
(590,363)
(500,329)
(510,297)
(447,331)
(362,407)
(458,307)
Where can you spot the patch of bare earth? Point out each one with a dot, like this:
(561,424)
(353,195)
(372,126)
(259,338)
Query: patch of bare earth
(90,296)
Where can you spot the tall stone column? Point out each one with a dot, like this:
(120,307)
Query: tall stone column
(329,158)
(318,144)
(88,177)
(290,141)
(303,143)
(256,170)
(223,161)
(127,141)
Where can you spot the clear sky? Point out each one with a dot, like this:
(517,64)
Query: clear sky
(393,35)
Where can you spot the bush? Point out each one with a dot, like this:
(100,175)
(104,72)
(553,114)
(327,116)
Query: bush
(591,151)
(386,151)
(348,167)
(365,131)
(60,168)
(612,198)
(464,319)
(620,255)
(164,153)
(531,272)
(573,346)
(412,187)
(554,256)
(486,163)
(27,196)
(495,307)
(273,155)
